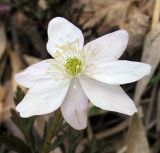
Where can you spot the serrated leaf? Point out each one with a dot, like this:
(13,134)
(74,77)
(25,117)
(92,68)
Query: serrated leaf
(74,138)
(25,125)
(51,130)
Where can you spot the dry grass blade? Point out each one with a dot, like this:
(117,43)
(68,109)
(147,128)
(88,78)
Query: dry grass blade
(137,142)
(17,65)
(156,12)
(110,132)
(2,93)
(6,101)
(3,40)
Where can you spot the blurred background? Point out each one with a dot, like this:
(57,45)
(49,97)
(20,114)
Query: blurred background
(23,37)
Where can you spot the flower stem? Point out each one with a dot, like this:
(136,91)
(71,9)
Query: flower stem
(51,132)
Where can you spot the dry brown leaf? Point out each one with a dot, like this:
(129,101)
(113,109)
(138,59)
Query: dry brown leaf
(151,55)
(3,39)
(11,85)
(31,60)
(137,142)
(123,14)
(29,29)
(137,24)
(103,8)
(17,65)
(7,100)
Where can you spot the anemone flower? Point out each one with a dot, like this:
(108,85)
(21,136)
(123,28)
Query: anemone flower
(79,72)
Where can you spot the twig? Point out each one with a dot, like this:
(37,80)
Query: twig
(113,130)
(109,132)
(123,149)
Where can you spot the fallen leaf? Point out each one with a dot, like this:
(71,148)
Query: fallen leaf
(150,55)
(137,24)
(137,142)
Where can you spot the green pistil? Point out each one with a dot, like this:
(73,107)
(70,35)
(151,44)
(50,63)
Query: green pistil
(73,66)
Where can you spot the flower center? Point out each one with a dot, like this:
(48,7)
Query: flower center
(73,66)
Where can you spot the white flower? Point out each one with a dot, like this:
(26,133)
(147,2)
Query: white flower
(78,73)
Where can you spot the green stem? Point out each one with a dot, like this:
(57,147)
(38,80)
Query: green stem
(53,127)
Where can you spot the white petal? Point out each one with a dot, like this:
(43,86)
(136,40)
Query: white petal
(35,74)
(75,106)
(120,72)
(107,97)
(108,47)
(43,98)
(60,32)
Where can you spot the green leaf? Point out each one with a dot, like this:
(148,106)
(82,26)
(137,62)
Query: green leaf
(26,127)
(50,131)
(24,124)
(14,143)
(94,111)
(74,138)
(155,79)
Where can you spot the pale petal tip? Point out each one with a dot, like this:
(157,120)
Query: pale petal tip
(78,127)
(124,33)
(16,77)
(149,69)
(146,69)
(22,113)
(132,112)
(19,77)
(18,108)
(56,20)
